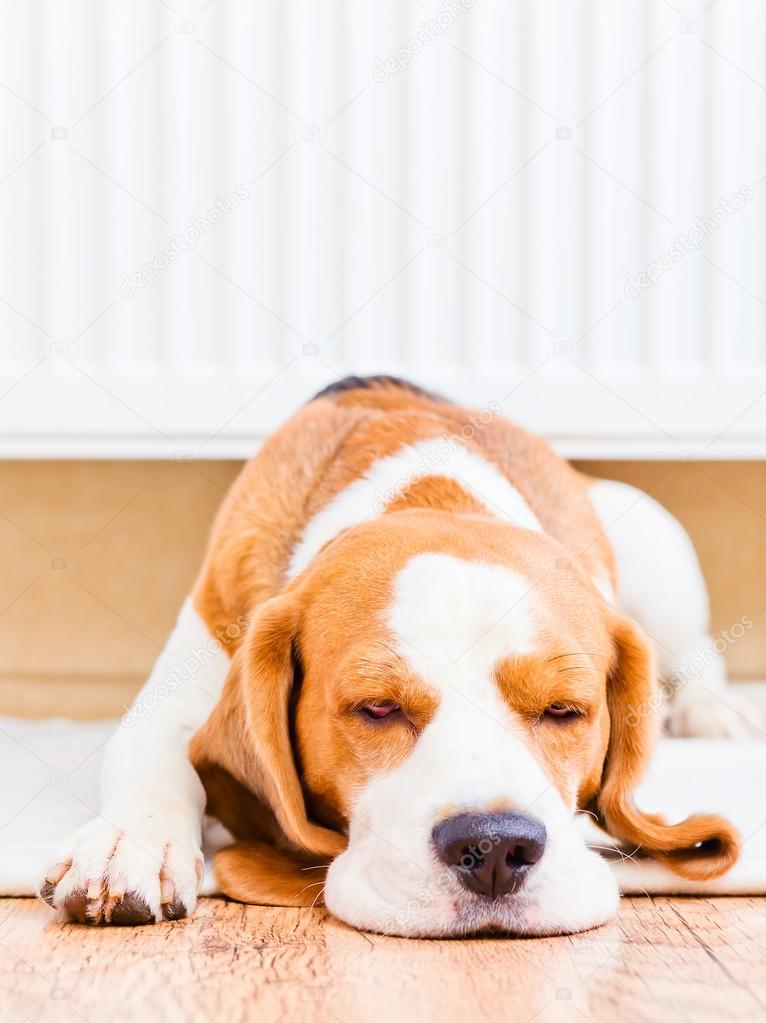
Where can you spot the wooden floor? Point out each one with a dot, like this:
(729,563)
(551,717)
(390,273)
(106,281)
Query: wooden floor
(663,959)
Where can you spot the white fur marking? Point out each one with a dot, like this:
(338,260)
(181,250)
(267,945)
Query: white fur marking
(389,477)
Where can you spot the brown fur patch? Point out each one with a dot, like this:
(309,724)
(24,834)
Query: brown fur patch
(438,492)
(264,876)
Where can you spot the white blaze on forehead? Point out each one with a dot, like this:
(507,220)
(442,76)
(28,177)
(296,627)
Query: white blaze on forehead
(455,613)
(453,621)
(389,477)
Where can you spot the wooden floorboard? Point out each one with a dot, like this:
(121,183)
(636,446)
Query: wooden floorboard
(662,959)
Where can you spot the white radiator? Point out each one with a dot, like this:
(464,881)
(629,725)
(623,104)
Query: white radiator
(210,210)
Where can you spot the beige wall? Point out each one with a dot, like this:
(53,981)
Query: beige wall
(97,557)
(723,507)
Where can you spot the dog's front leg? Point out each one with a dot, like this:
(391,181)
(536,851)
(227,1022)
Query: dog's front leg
(140,860)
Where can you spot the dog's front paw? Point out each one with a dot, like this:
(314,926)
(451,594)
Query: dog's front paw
(712,715)
(136,870)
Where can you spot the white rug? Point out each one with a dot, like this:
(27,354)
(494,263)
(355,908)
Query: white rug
(50,787)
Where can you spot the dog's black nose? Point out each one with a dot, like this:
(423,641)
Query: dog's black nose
(491,853)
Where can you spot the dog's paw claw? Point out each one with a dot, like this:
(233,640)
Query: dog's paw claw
(130,910)
(174,910)
(124,875)
(75,906)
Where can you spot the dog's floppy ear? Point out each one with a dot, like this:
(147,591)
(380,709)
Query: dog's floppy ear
(702,846)
(264,876)
(244,751)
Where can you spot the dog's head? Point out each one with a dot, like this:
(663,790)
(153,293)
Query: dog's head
(425,710)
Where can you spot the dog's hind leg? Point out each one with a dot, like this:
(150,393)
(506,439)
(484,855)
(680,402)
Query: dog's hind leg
(661,586)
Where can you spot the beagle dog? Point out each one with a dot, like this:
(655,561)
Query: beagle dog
(405,671)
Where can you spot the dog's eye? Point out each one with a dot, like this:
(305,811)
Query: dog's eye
(378,711)
(561,712)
